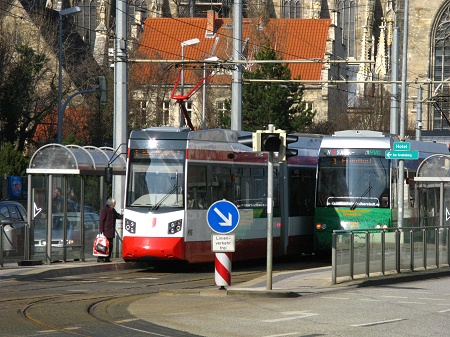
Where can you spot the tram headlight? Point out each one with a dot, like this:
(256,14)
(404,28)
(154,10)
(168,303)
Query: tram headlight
(321,226)
(175,226)
(130,226)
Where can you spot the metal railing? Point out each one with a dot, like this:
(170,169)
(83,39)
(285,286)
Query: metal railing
(375,252)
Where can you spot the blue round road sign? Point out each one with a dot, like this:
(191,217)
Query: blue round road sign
(222,217)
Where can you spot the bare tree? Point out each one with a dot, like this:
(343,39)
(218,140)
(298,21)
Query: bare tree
(371,112)
(29,87)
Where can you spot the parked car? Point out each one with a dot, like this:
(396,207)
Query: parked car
(73,230)
(13,218)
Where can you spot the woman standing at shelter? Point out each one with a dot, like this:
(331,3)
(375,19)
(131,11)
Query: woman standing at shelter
(108,217)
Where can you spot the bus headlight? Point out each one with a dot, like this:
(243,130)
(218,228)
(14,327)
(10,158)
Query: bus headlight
(174,226)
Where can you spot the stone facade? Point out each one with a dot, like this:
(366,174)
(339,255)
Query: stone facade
(362,31)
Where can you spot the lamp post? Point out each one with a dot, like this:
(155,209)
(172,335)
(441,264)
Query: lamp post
(64,12)
(191,42)
(213,58)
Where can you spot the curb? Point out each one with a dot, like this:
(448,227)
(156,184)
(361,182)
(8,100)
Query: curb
(230,292)
(74,269)
(410,276)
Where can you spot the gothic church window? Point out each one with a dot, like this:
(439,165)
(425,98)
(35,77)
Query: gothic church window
(441,69)
(292,9)
(347,24)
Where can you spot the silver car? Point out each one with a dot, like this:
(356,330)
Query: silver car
(73,230)
(13,219)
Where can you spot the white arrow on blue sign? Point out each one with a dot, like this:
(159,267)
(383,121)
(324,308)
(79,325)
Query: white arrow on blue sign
(222,217)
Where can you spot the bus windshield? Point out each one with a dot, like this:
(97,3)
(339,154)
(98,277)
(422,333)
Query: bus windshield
(356,181)
(155,182)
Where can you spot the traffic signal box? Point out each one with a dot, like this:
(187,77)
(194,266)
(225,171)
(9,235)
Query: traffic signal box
(287,151)
(103,89)
(274,141)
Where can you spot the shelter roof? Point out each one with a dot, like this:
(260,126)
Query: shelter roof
(434,168)
(76,160)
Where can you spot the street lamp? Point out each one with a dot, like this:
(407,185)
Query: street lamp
(191,42)
(213,58)
(64,12)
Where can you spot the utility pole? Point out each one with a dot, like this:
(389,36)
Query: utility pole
(394,85)
(120,99)
(419,123)
(236,82)
(401,162)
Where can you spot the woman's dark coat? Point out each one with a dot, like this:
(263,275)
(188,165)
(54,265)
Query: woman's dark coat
(108,218)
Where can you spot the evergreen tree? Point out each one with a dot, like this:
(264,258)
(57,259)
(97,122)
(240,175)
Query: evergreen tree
(22,105)
(279,104)
(12,162)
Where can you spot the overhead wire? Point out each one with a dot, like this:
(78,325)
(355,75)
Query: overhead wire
(140,44)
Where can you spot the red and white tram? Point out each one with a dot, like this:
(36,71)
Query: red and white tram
(175,174)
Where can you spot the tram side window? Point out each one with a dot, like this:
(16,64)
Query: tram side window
(244,187)
(196,187)
(259,187)
(302,192)
(250,189)
(241,186)
(221,184)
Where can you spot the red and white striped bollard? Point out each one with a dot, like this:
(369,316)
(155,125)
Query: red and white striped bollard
(222,276)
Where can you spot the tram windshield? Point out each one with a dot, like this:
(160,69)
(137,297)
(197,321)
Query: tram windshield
(356,182)
(155,179)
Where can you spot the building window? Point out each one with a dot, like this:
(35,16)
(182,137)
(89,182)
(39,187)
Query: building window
(221,107)
(292,9)
(165,113)
(441,71)
(189,108)
(347,23)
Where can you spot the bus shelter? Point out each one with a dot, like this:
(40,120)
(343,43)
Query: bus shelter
(433,180)
(66,191)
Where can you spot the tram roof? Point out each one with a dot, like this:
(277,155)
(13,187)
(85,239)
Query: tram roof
(174,133)
(76,160)
(368,139)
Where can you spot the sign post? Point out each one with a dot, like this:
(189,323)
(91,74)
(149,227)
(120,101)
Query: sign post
(223,218)
(400,153)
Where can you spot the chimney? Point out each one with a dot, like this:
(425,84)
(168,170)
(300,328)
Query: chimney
(210,21)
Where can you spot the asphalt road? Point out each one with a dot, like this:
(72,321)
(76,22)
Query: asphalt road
(419,308)
(96,304)
(184,303)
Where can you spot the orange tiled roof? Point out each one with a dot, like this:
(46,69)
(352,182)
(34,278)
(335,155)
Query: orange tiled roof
(292,38)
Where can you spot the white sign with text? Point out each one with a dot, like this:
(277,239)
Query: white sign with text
(223,243)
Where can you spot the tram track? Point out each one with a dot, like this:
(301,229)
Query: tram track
(75,311)
(97,304)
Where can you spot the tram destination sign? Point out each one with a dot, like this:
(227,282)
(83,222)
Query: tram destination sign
(406,155)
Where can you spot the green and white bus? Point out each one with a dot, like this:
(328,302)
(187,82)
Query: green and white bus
(357,185)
